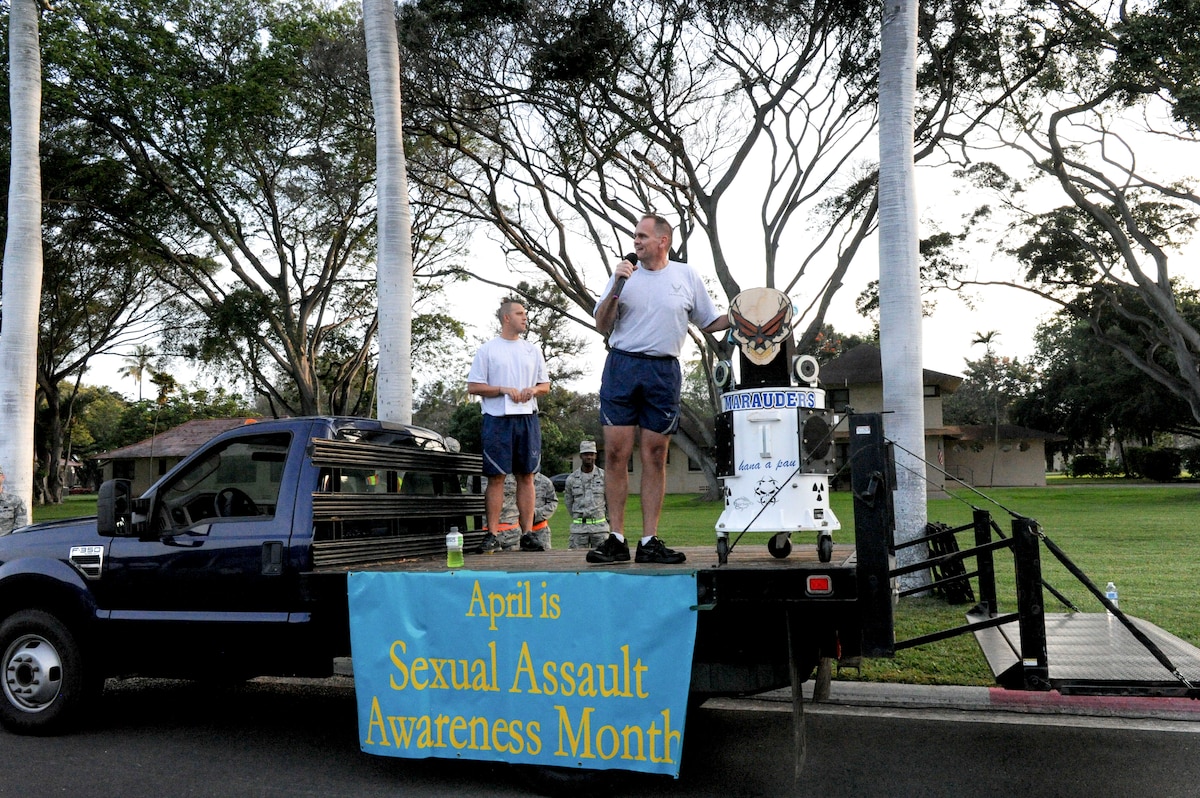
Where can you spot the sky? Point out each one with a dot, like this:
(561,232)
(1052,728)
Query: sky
(946,334)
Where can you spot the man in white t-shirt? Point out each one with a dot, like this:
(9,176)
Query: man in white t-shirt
(645,311)
(509,373)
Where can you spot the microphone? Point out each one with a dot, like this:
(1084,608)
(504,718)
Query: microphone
(632,258)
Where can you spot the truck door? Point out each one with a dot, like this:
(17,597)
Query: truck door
(212,564)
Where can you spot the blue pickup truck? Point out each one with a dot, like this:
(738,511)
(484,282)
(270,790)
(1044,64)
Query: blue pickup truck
(234,565)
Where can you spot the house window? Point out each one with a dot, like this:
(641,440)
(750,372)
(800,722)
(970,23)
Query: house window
(162,466)
(838,398)
(932,391)
(693,465)
(122,469)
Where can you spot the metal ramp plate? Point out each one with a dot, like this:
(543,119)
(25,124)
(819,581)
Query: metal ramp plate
(1094,654)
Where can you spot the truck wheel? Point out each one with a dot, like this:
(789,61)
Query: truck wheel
(44,684)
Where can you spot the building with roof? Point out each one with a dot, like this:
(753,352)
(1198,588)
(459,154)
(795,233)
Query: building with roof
(979,455)
(145,461)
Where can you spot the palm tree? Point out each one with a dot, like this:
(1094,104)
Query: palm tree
(394,260)
(137,365)
(989,358)
(899,276)
(22,288)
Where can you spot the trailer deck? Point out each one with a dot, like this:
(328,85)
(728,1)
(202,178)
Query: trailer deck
(748,555)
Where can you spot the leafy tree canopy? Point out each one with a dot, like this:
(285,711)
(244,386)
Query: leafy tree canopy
(1087,391)
(990,387)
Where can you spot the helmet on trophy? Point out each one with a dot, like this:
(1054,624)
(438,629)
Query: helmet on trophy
(760,322)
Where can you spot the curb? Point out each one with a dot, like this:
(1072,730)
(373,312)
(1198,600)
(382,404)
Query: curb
(993,699)
(977,699)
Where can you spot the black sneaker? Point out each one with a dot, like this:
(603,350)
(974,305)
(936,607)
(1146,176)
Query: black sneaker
(530,543)
(655,551)
(613,549)
(489,544)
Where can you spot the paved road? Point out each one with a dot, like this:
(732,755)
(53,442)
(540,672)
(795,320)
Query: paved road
(273,738)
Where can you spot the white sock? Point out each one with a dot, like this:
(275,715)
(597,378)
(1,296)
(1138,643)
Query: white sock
(619,536)
(647,539)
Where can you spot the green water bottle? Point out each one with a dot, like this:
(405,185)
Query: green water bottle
(454,548)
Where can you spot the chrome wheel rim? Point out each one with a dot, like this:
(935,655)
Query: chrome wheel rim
(32,673)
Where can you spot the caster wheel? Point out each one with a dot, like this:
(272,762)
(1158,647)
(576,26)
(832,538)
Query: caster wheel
(722,550)
(780,546)
(825,549)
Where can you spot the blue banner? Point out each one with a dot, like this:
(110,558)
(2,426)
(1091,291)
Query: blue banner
(586,670)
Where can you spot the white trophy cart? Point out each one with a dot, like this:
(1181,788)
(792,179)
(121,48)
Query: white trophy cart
(774,434)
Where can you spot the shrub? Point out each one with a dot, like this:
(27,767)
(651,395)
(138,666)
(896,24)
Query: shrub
(1162,465)
(1135,460)
(1191,460)
(1088,465)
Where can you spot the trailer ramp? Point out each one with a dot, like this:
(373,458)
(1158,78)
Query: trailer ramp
(1091,653)
(1075,653)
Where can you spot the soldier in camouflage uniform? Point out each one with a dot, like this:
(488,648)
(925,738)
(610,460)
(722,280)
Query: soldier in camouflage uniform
(545,502)
(12,510)
(584,496)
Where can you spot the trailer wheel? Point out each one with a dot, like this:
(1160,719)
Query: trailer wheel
(780,546)
(825,548)
(45,688)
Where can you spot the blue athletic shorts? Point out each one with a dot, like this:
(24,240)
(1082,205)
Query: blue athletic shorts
(640,391)
(511,444)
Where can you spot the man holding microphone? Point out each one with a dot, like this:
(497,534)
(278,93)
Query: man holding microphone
(645,312)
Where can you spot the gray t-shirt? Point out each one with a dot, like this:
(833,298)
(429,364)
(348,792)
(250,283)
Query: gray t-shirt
(655,308)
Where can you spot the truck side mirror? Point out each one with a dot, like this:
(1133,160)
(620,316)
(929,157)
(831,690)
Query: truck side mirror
(113,508)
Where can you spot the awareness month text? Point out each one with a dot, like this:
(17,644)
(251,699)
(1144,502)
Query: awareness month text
(601,708)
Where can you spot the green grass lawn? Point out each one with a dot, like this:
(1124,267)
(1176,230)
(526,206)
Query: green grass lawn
(72,507)
(1143,537)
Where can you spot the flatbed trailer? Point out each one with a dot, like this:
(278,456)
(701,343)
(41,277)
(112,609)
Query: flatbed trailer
(762,623)
(766,622)
(761,620)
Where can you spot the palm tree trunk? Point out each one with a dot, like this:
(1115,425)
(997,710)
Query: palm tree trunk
(899,276)
(395,275)
(22,276)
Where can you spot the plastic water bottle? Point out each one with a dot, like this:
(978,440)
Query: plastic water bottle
(1110,593)
(454,548)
